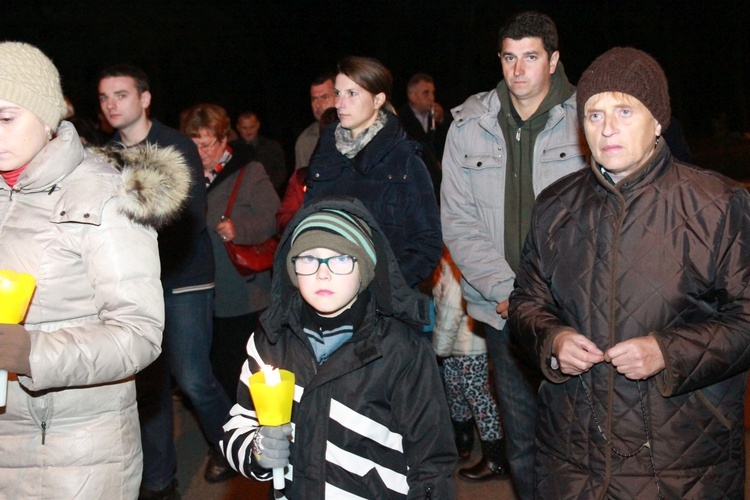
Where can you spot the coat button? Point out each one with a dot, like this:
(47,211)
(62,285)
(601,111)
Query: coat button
(390,177)
(404,176)
(317,175)
(86,216)
(562,155)
(479,164)
(63,212)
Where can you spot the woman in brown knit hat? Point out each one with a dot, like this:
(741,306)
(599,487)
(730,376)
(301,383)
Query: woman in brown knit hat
(82,229)
(633,299)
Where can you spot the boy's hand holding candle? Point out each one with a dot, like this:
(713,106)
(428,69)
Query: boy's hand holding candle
(272,391)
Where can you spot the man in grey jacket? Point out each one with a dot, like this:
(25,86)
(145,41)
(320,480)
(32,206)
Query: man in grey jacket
(503,148)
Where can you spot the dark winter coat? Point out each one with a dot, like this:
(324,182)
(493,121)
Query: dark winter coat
(372,420)
(665,254)
(390,178)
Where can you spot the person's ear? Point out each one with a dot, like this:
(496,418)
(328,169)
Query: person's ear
(379,100)
(553,60)
(145,99)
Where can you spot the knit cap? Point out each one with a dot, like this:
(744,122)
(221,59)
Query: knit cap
(630,71)
(29,79)
(337,231)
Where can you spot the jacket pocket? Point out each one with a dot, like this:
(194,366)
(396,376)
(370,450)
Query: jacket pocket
(487,179)
(558,161)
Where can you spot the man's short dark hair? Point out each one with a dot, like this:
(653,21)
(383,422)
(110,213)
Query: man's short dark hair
(137,74)
(416,79)
(324,77)
(530,24)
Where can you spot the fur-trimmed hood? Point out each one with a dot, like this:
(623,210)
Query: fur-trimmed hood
(148,183)
(156,182)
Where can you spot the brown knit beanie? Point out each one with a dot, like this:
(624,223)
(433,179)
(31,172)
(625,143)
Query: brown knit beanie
(337,231)
(29,79)
(630,71)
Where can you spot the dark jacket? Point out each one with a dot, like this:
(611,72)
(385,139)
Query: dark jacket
(372,420)
(187,261)
(390,178)
(663,253)
(270,154)
(432,141)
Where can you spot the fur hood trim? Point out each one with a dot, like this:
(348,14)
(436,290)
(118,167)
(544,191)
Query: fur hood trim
(156,182)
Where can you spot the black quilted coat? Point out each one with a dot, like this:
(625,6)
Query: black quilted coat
(665,253)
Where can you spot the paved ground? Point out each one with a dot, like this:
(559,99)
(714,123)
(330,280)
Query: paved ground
(191,451)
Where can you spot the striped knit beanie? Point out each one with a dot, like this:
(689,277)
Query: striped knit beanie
(337,231)
(29,79)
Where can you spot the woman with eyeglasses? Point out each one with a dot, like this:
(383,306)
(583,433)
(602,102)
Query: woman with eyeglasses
(239,299)
(369,414)
(365,154)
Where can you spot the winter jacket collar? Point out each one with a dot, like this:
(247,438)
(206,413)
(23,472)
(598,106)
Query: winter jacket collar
(380,146)
(485,107)
(53,163)
(153,184)
(658,164)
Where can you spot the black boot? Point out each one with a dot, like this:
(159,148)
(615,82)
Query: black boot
(494,463)
(464,432)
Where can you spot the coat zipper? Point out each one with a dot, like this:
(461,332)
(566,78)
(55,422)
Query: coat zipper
(44,432)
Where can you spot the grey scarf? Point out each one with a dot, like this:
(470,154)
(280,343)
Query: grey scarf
(351,147)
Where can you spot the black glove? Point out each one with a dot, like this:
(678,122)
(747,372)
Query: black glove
(15,348)
(271,446)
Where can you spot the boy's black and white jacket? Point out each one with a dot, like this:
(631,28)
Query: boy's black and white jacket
(372,421)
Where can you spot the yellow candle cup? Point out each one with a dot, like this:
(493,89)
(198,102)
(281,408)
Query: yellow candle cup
(16,290)
(273,403)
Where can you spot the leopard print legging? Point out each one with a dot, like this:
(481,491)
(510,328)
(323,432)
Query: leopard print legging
(468,393)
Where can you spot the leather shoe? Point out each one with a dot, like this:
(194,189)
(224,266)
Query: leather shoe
(217,468)
(493,463)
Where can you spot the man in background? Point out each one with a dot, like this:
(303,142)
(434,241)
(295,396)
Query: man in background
(264,150)
(188,280)
(321,99)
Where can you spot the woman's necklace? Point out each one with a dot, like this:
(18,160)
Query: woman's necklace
(646,444)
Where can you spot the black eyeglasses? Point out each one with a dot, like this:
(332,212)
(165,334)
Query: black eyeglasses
(305,265)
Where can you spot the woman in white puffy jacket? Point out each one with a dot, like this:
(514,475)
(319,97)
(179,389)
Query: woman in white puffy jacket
(83,228)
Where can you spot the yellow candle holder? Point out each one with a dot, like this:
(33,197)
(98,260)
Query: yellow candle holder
(16,290)
(273,403)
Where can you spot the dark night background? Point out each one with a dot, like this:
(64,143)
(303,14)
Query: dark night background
(261,55)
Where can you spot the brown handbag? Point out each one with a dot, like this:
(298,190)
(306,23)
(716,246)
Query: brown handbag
(249,259)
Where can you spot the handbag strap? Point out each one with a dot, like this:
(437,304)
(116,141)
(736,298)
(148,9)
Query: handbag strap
(234,193)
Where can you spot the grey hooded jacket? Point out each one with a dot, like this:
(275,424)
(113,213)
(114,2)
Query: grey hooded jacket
(472,193)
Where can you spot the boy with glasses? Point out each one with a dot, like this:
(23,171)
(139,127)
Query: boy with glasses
(369,416)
